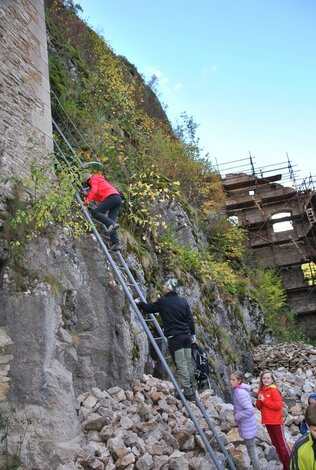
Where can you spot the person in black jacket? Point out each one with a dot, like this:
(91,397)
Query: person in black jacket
(179,329)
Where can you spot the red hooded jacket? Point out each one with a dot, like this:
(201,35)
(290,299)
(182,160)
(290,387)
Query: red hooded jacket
(100,189)
(271,406)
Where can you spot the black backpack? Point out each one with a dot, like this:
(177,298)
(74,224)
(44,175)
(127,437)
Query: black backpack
(200,357)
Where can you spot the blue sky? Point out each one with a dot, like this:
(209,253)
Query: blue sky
(244,69)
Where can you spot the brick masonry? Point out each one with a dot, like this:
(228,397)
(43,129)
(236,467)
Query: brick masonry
(25,113)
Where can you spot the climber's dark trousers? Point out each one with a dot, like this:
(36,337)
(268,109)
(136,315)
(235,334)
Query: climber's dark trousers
(112,205)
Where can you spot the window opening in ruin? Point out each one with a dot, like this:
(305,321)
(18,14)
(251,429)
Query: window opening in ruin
(282,226)
(309,271)
(233,219)
(251,192)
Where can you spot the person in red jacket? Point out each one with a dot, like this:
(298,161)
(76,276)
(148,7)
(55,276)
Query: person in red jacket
(270,403)
(109,200)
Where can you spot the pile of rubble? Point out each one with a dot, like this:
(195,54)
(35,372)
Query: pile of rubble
(147,428)
(289,355)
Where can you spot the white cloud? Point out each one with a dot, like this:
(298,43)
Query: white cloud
(164,84)
(209,70)
(150,71)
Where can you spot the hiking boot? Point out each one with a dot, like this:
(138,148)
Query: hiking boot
(189,396)
(177,396)
(115,247)
(111,228)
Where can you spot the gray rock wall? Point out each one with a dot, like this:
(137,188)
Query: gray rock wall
(70,329)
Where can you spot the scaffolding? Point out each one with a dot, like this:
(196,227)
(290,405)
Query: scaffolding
(254,196)
(287,171)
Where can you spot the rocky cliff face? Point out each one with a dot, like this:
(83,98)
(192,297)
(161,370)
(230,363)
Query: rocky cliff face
(69,328)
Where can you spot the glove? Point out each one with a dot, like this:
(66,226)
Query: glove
(193,338)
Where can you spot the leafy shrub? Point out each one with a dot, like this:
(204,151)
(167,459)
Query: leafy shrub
(228,240)
(265,286)
(192,260)
(145,190)
(45,200)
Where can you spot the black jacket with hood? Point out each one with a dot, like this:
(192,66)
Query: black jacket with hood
(175,313)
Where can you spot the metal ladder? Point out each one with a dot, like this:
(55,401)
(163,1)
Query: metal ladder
(122,271)
(151,317)
(118,271)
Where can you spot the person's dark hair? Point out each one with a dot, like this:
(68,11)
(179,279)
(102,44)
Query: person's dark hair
(238,374)
(262,374)
(310,415)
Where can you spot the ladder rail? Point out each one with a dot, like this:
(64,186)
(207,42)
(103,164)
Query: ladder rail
(146,329)
(83,139)
(197,398)
(142,297)
(149,334)
(60,132)
(212,428)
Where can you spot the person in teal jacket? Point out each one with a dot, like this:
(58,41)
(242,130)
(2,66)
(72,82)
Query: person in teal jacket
(303,455)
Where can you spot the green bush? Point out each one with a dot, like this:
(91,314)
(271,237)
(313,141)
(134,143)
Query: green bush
(44,201)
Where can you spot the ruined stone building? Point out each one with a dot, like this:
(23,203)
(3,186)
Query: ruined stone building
(281,223)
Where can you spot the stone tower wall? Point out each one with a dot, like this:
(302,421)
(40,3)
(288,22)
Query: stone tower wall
(25,115)
(25,112)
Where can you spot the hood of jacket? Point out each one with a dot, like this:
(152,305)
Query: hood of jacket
(245,386)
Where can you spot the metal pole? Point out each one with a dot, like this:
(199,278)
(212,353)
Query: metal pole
(66,141)
(142,297)
(212,428)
